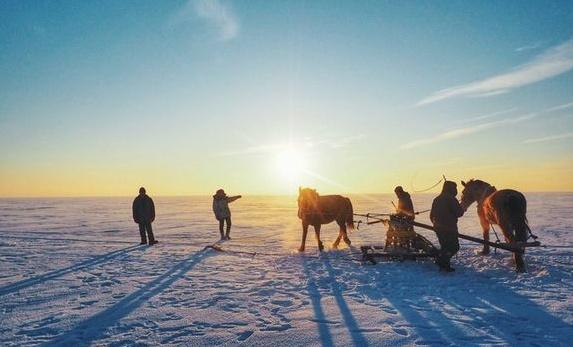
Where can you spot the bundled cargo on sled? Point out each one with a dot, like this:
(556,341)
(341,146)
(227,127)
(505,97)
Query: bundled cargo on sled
(402,242)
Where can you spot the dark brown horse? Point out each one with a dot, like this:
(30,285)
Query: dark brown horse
(316,210)
(505,208)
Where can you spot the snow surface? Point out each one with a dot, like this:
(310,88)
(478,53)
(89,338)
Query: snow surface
(72,273)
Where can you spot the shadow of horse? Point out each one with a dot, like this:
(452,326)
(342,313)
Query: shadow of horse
(92,262)
(95,326)
(445,310)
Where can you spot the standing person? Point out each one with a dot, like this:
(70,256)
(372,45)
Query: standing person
(405,207)
(222,212)
(444,215)
(144,215)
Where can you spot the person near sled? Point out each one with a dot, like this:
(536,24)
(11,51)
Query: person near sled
(444,215)
(144,214)
(222,212)
(405,208)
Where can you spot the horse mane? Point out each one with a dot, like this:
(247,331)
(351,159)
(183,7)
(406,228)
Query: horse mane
(478,182)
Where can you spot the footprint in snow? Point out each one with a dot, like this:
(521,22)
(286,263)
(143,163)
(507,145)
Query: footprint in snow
(400,331)
(245,335)
(283,303)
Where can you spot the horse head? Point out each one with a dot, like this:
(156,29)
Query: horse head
(307,200)
(474,190)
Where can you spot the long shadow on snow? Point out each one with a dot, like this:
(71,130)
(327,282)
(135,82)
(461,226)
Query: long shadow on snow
(36,238)
(338,294)
(319,317)
(349,320)
(94,327)
(491,309)
(94,261)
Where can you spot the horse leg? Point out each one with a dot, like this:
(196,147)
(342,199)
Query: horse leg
(337,241)
(304,232)
(345,235)
(485,230)
(317,235)
(506,228)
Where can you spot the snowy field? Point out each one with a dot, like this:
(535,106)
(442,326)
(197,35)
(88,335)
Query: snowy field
(72,273)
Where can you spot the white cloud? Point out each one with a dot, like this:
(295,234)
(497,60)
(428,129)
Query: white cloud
(220,15)
(554,61)
(457,133)
(488,115)
(560,107)
(550,138)
(528,47)
(326,143)
(213,12)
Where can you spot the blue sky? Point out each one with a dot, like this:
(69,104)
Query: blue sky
(186,96)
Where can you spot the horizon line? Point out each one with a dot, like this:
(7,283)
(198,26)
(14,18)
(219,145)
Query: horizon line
(244,195)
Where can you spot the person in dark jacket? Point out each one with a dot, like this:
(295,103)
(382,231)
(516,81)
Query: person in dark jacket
(144,215)
(222,212)
(444,215)
(405,206)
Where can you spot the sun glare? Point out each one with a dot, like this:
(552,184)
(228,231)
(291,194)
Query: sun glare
(290,164)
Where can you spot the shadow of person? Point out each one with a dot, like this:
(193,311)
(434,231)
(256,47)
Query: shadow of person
(312,270)
(315,296)
(92,262)
(94,327)
(338,293)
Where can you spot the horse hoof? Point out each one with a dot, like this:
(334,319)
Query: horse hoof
(347,241)
(301,249)
(483,252)
(320,247)
(335,245)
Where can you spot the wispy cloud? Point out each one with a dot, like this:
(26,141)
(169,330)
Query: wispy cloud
(220,15)
(560,107)
(457,133)
(331,142)
(528,47)
(215,13)
(550,138)
(554,61)
(488,115)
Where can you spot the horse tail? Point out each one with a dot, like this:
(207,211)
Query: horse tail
(349,215)
(516,208)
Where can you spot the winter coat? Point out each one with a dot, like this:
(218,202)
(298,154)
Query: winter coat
(143,209)
(446,209)
(221,206)
(405,205)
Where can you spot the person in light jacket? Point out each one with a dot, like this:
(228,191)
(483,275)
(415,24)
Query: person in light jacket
(222,212)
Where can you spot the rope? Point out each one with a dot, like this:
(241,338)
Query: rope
(218,248)
(530,233)
(432,187)
(496,236)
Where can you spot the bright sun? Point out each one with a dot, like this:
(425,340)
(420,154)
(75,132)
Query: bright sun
(290,164)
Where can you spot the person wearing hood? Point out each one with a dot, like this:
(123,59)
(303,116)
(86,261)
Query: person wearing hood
(444,215)
(222,212)
(405,206)
(144,214)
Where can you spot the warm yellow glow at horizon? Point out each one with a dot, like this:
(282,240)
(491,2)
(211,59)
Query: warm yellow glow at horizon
(278,173)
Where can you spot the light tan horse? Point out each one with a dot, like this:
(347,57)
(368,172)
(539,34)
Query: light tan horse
(316,210)
(505,208)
